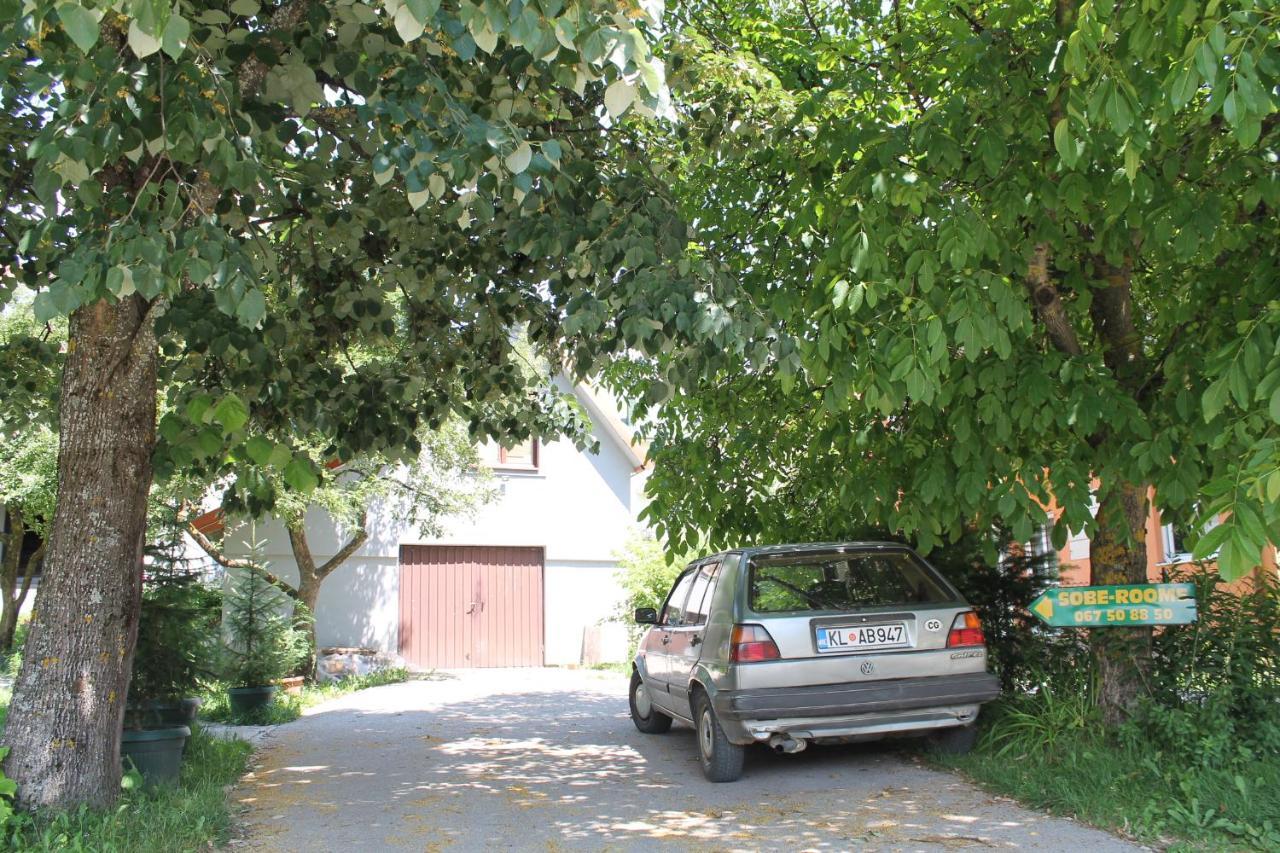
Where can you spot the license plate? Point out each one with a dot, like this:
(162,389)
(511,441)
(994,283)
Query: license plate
(853,638)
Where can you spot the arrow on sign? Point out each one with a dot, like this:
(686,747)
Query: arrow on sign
(1117,606)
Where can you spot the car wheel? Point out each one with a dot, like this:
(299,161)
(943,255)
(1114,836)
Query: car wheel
(647,718)
(721,760)
(956,740)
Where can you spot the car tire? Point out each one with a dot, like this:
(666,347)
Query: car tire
(647,718)
(957,740)
(721,760)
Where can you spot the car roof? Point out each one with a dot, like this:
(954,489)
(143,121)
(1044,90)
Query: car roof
(808,547)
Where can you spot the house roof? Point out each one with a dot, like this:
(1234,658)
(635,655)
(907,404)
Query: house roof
(608,420)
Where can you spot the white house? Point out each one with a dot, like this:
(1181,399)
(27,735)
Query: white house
(528,581)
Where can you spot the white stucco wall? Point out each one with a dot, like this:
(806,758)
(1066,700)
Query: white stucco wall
(579,507)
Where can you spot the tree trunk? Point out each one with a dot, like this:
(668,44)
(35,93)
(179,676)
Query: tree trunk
(311,576)
(68,704)
(308,594)
(1118,555)
(9,576)
(15,577)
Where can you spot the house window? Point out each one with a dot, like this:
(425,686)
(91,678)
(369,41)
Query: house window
(522,456)
(1177,537)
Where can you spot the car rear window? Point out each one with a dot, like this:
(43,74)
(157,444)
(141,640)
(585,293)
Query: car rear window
(842,582)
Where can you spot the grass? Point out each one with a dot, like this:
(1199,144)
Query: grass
(1051,753)
(192,816)
(288,707)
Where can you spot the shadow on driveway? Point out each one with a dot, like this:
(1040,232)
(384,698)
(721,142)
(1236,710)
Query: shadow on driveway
(549,759)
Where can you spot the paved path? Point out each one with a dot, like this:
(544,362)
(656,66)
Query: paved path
(548,759)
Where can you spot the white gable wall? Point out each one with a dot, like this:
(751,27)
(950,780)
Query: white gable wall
(579,507)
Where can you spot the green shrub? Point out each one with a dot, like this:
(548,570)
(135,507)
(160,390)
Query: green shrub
(1198,759)
(177,632)
(646,575)
(261,642)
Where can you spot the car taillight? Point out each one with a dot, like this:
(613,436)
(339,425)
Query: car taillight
(752,643)
(966,630)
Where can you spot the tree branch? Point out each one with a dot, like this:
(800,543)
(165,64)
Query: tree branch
(345,552)
(220,557)
(1112,313)
(1048,303)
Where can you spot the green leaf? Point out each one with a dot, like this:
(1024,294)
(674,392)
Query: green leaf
(518,160)
(1211,542)
(252,308)
(1184,87)
(407,25)
(1062,141)
(301,476)
(198,407)
(280,456)
(551,150)
(142,43)
(80,24)
(1132,160)
(423,10)
(259,449)
(231,412)
(1215,398)
(1274,408)
(176,33)
(618,97)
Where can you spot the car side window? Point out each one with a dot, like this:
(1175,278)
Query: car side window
(699,605)
(673,610)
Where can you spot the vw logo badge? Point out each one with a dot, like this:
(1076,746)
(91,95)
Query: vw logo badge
(868,667)
(933,625)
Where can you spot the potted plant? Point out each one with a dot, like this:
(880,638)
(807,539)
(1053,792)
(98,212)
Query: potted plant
(261,644)
(178,615)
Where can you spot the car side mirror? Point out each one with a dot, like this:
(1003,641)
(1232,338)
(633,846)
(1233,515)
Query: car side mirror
(646,616)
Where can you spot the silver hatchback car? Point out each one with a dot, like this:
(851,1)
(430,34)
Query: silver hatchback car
(790,644)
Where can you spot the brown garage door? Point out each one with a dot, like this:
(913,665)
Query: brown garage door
(464,606)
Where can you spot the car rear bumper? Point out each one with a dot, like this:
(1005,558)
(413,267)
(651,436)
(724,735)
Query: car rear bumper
(855,708)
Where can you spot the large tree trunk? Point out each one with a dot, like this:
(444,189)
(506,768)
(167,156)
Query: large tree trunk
(1118,555)
(68,704)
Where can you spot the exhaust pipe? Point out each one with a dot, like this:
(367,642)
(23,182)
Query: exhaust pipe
(786,743)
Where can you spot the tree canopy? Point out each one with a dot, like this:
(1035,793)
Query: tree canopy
(321,219)
(1011,253)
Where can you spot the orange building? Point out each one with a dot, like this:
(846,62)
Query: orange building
(1167,547)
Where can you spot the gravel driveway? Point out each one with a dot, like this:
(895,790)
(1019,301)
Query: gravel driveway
(548,759)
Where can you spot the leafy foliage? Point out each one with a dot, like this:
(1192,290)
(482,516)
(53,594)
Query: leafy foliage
(646,571)
(423,179)
(1198,759)
(1000,590)
(1003,249)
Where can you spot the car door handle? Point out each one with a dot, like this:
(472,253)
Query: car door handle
(695,640)
(666,638)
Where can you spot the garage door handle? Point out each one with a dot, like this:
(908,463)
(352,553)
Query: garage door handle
(472,605)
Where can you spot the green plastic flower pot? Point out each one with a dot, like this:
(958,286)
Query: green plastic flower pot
(156,753)
(249,700)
